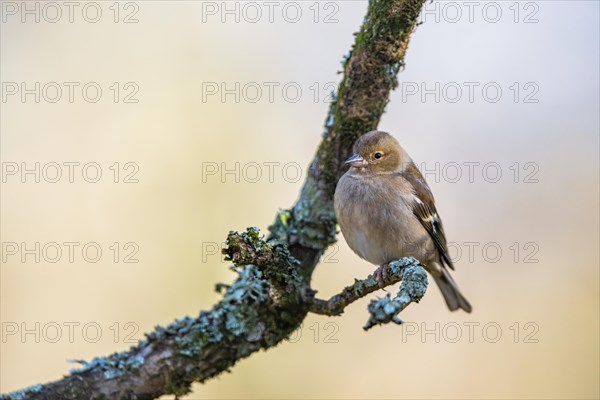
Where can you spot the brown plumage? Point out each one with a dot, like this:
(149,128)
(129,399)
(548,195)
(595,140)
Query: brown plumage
(386,211)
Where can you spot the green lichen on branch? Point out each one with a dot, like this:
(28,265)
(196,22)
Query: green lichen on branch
(310,224)
(412,289)
(272,258)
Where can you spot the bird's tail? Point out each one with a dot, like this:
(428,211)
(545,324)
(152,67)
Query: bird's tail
(454,299)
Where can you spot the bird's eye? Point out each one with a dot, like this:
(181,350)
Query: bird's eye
(377,155)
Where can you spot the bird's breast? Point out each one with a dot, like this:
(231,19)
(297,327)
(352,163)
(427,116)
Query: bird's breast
(377,221)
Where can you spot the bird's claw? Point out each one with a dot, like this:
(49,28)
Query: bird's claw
(381,274)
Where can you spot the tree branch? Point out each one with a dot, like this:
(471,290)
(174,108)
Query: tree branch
(267,302)
(413,287)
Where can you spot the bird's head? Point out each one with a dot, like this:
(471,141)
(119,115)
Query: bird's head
(377,152)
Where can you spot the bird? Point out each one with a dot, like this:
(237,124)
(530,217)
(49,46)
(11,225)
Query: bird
(386,211)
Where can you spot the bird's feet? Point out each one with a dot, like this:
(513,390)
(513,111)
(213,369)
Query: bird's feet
(381,274)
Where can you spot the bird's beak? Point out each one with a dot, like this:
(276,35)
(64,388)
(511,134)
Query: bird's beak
(356,161)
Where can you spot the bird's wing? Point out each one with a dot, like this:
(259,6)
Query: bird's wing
(424,210)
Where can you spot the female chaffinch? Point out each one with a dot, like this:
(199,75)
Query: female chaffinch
(386,211)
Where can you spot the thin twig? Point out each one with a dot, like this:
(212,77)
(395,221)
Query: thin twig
(383,310)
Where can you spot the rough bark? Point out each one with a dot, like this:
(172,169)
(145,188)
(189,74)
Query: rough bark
(272,294)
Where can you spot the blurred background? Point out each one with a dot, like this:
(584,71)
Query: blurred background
(135,135)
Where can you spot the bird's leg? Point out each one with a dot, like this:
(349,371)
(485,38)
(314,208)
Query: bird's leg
(381,274)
